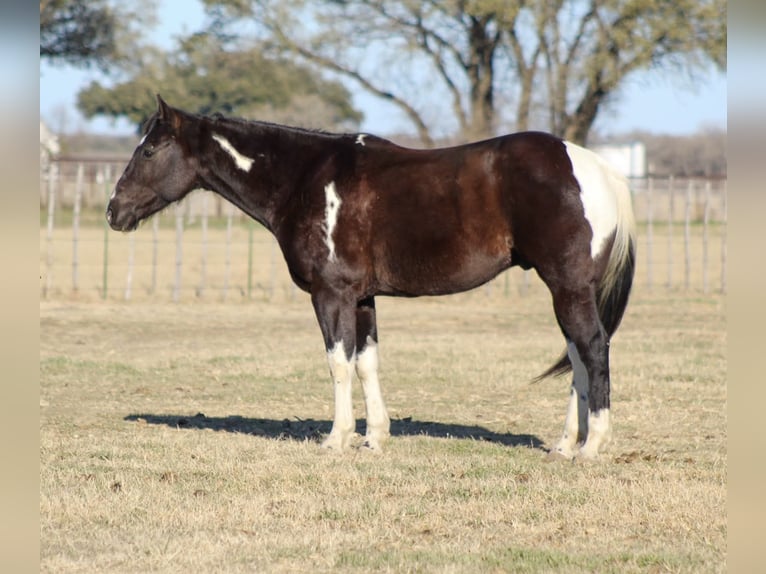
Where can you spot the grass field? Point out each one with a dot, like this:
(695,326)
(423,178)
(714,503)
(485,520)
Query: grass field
(179,437)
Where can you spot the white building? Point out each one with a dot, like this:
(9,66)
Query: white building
(629,159)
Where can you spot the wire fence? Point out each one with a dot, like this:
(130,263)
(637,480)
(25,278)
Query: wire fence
(206,248)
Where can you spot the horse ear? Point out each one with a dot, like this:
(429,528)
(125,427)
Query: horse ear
(163,110)
(166,113)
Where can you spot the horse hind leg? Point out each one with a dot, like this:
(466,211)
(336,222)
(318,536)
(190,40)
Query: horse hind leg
(378,422)
(576,422)
(588,349)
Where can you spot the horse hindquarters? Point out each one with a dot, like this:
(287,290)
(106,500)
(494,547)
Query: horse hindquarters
(590,294)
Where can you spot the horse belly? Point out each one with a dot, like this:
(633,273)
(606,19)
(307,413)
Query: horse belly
(429,267)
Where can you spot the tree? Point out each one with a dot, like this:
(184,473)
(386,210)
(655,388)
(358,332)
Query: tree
(201,76)
(86,33)
(564,58)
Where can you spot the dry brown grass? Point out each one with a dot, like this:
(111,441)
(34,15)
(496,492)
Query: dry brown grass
(184,436)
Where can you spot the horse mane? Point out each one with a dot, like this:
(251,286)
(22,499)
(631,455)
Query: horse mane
(244,123)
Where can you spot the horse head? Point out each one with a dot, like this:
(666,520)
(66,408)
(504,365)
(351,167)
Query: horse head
(160,172)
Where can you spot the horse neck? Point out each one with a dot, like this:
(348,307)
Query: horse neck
(268,169)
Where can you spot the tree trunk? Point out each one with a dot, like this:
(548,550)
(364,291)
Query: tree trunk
(580,122)
(481,76)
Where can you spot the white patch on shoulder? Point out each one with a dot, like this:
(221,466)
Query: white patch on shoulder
(242,162)
(598,201)
(331,209)
(360,139)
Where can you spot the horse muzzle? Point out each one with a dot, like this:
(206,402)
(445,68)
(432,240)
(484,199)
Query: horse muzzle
(120,220)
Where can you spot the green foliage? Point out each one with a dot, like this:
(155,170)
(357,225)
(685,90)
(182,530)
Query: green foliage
(78,32)
(559,61)
(99,33)
(202,76)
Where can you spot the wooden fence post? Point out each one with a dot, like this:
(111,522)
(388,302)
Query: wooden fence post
(687,235)
(80,181)
(179,250)
(203,254)
(724,231)
(227,259)
(649,235)
(671,218)
(107,177)
(705,234)
(52,180)
(155,248)
(249,259)
(273,267)
(131,258)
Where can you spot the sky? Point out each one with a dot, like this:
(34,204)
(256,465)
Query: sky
(659,103)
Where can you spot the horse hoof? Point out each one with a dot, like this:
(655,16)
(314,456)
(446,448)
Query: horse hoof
(334,443)
(557,456)
(586,457)
(371,445)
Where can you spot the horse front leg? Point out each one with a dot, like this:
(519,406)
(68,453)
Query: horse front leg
(336,314)
(378,423)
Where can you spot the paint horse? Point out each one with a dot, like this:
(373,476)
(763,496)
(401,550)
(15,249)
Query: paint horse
(357,216)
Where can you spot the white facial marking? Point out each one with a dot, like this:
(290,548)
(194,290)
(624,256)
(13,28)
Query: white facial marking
(598,201)
(242,162)
(378,423)
(143,139)
(331,209)
(360,139)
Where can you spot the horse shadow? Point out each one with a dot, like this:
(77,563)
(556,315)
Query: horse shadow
(313,430)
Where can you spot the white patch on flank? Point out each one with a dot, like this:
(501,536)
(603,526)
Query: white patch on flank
(331,209)
(360,139)
(243,162)
(378,423)
(342,372)
(576,422)
(598,199)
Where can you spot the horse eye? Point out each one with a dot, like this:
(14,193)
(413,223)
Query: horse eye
(148,152)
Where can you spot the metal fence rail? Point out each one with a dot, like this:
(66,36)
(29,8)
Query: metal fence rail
(206,248)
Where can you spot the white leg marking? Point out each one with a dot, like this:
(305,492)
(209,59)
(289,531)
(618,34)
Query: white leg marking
(599,434)
(360,139)
(576,423)
(598,200)
(342,372)
(241,161)
(331,209)
(378,423)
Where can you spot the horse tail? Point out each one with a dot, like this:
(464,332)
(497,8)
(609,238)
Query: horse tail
(613,288)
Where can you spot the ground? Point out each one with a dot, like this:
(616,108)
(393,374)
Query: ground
(185,436)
